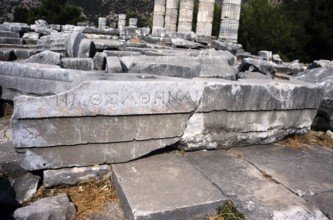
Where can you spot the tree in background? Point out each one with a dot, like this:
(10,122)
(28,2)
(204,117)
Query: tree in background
(313,27)
(52,11)
(295,29)
(265,26)
(143,21)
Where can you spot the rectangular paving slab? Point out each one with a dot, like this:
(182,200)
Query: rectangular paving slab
(165,187)
(254,193)
(306,172)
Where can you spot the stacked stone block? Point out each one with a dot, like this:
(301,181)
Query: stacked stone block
(133,23)
(205,17)
(121,21)
(230,20)
(185,16)
(101,23)
(171,16)
(158,20)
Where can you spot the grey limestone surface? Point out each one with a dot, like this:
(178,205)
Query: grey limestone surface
(125,115)
(113,65)
(57,208)
(259,180)
(297,169)
(74,63)
(45,57)
(71,176)
(165,187)
(21,79)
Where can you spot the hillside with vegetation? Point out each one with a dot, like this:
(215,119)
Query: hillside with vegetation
(295,29)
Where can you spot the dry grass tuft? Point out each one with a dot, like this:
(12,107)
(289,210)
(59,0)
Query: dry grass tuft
(9,109)
(227,212)
(88,197)
(310,138)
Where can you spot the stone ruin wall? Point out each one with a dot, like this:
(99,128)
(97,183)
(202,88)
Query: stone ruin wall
(172,16)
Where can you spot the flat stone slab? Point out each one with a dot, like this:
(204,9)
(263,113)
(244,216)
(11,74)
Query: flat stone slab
(254,193)
(306,172)
(165,187)
(157,187)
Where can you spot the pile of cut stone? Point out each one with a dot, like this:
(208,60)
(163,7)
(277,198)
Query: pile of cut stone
(85,98)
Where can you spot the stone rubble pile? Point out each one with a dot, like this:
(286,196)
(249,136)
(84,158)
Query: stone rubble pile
(88,96)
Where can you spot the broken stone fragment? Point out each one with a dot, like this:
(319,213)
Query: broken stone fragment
(72,176)
(57,208)
(322,77)
(30,38)
(182,43)
(113,65)
(252,75)
(10,40)
(180,66)
(100,61)
(186,67)
(74,63)
(321,64)
(87,49)
(7,55)
(25,187)
(73,44)
(45,57)
(17,79)
(66,43)
(255,65)
(9,34)
(228,116)
(226,46)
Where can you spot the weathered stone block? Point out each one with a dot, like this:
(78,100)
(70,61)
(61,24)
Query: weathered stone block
(186,193)
(9,34)
(113,65)
(7,55)
(182,43)
(113,118)
(25,187)
(85,64)
(30,38)
(233,119)
(187,67)
(228,46)
(73,43)
(45,57)
(110,120)
(118,53)
(18,79)
(10,40)
(57,207)
(72,176)
(100,61)
(87,49)
(322,77)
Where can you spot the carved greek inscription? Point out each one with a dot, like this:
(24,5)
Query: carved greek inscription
(157,97)
(112,98)
(30,134)
(65,100)
(96,99)
(144,98)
